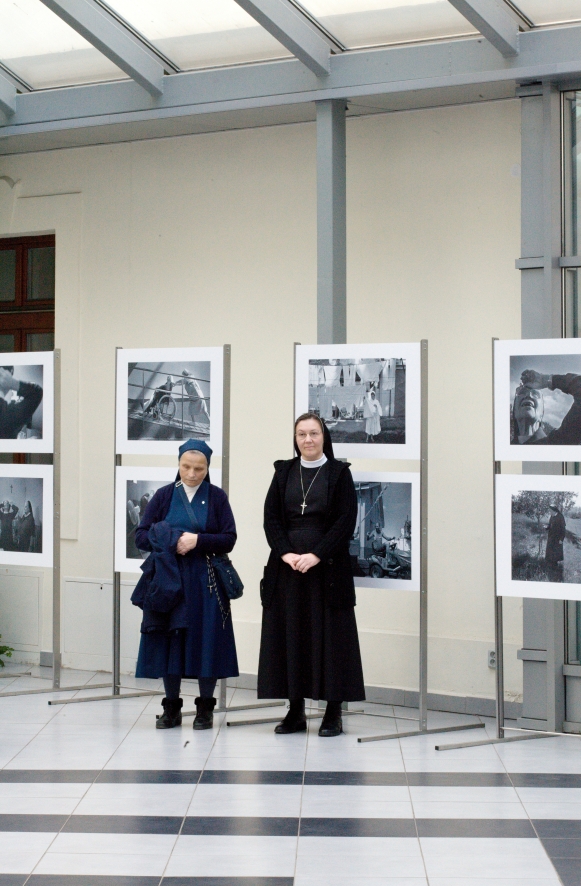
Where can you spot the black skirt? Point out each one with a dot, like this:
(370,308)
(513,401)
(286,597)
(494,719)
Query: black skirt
(308,650)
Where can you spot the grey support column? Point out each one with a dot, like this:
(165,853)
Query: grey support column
(542,317)
(331,223)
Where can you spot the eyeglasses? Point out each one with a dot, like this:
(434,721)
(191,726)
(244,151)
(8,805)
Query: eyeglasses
(300,435)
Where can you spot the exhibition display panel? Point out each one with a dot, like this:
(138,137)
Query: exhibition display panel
(536,386)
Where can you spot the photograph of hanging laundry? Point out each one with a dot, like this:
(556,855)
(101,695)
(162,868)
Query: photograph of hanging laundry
(361,400)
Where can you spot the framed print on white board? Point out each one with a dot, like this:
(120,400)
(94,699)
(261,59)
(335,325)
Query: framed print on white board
(368,394)
(385,547)
(27,402)
(537,400)
(538,536)
(134,488)
(26,515)
(166,396)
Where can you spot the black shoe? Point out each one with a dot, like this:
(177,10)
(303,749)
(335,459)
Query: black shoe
(295,720)
(172,713)
(204,713)
(332,724)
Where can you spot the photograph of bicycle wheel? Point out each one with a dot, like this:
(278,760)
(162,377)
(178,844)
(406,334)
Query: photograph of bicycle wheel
(168,401)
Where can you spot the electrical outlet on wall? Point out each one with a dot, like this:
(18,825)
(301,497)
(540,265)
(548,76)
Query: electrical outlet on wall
(492,658)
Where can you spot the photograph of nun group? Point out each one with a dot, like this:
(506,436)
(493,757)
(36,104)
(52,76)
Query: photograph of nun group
(384,553)
(539,536)
(368,395)
(27,402)
(134,489)
(26,515)
(538,400)
(167,395)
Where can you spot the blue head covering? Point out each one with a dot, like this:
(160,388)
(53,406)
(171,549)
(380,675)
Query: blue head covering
(198,446)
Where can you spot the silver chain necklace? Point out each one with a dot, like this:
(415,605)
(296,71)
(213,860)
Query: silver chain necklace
(304,504)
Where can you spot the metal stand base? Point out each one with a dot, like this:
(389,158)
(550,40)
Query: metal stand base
(502,739)
(419,732)
(17,674)
(53,689)
(318,716)
(112,697)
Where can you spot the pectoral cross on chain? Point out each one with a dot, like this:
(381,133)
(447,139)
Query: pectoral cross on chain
(303,506)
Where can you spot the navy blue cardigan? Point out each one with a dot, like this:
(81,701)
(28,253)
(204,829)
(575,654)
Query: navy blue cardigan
(220,534)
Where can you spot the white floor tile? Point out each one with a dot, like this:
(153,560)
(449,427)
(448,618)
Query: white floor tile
(478,881)
(348,856)
(204,856)
(444,809)
(550,795)
(321,880)
(103,864)
(10,791)
(113,844)
(245,799)
(20,852)
(486,858)
(553,810)
(458,794)
(42,806)
(357,801)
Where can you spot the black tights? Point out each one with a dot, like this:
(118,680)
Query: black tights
(172,684)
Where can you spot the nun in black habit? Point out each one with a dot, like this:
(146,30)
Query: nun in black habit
(309,644)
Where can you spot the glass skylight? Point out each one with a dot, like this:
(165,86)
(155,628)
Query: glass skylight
(44,51)
(358,23)
(200,33)
(550,12)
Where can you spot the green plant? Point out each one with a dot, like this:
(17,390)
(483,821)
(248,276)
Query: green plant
(5,650)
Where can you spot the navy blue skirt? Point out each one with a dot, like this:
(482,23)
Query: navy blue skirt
(206,648)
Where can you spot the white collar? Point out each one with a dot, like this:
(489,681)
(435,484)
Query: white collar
(314,464)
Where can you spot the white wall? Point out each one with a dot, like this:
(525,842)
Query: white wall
(208,239)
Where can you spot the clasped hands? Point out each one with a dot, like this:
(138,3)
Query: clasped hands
(301,562)
(186,542)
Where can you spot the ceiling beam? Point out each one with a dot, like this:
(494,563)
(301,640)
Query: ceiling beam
(492,19)
(296,33)
(7,96)
(114,41)
(104,112)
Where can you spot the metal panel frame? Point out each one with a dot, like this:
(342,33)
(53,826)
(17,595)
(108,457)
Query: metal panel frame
(7,96)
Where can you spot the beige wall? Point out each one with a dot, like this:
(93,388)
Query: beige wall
(210,239)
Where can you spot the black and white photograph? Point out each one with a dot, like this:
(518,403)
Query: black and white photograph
(541,551)
(384,550)
(538,386)
(166,396)
(368,396)
(27,402)
(134,489)
(26,515)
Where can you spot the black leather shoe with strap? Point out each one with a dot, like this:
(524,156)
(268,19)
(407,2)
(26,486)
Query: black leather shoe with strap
(295,720)
(332,724)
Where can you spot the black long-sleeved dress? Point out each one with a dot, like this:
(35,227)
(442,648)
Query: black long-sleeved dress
(309,644)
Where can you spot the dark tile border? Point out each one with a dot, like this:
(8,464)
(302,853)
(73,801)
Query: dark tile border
(545,780)
(88,880)
(53,776)
(556,827)
(356,778)
(34,823)
(149,776)
(557,847)
(358,827)
(475,827)
(251,776)
(123,824)
(241,826)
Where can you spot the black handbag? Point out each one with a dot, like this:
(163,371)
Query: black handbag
(221,572)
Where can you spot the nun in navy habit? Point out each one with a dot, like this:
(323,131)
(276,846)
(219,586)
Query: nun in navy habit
(187,626)
(309,645)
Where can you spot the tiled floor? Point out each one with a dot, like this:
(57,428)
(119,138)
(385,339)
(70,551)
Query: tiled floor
(92,795)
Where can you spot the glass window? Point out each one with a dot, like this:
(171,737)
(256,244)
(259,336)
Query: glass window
(40,277)
(550,12)
(200,33)
(7,274)
(6,342)
(40,341)
(359,23)
(44,51)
